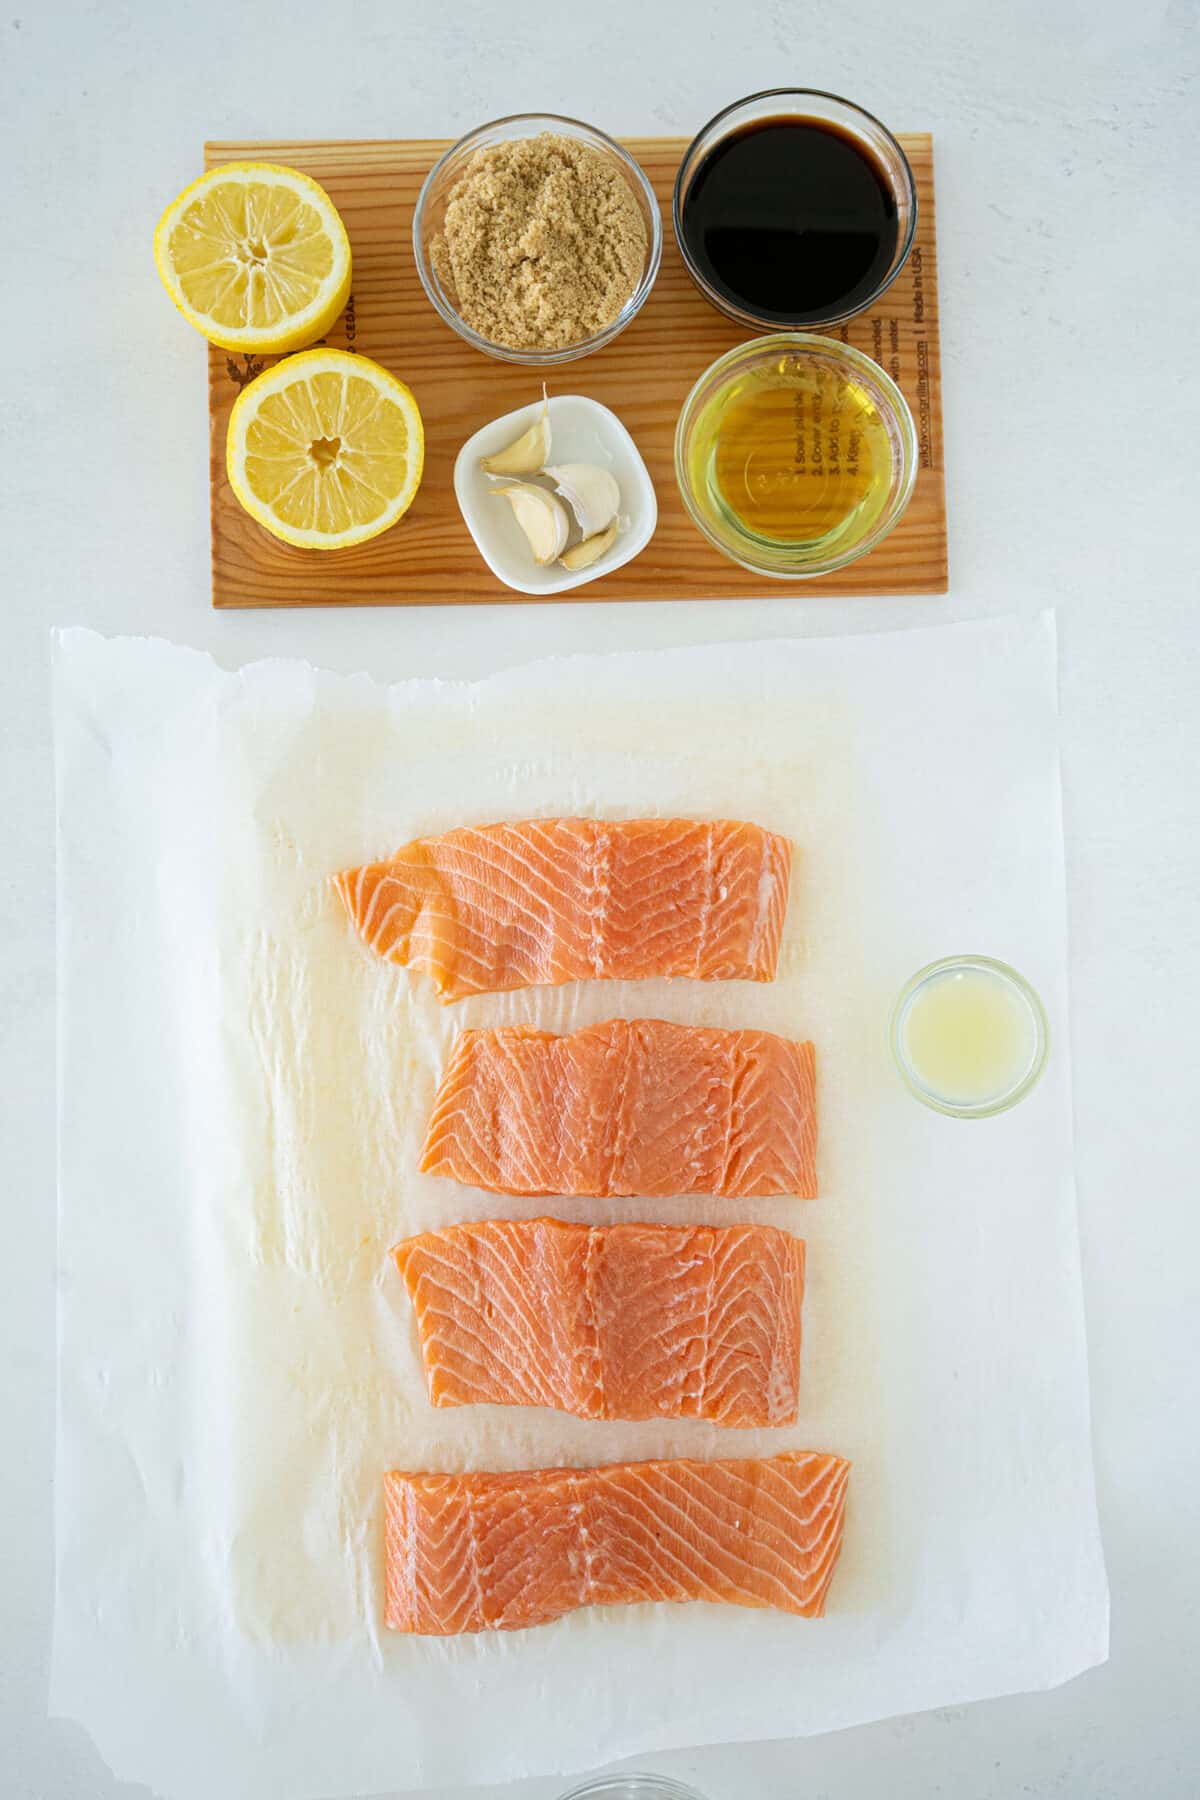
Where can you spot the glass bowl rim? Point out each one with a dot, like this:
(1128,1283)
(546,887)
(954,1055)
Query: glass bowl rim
(440,301)
(664,1786)
(867,366)
(985,1109)
(745,313)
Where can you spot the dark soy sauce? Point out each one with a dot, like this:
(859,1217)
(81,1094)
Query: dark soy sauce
(791,219)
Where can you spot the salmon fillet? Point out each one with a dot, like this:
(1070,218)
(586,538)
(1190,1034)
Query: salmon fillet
(501,1552)
(633,1106)
(611,1321)
(553,900)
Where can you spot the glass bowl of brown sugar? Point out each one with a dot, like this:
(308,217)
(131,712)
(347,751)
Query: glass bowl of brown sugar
(537,238)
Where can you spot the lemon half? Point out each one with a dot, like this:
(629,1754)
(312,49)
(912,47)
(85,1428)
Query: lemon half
(255,256)
(326,449)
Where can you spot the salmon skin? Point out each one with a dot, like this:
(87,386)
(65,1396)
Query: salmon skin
(494,907)
(502,1552)
(633,1106)
(611,1321)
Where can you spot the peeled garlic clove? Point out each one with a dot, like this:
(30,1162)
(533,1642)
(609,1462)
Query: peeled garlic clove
(528,453)
(541,517)
(582,556)
(591,493)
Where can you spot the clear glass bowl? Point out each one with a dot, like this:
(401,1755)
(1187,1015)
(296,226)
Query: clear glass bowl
(792,562)
(1027,1005)
(632,1787)
(852,121)
(431,211)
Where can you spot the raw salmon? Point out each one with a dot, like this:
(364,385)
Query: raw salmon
(554,900)
(629,1107)
(611,1321)
(500,1552)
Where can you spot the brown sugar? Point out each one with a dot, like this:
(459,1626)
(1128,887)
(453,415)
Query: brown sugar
(542,243)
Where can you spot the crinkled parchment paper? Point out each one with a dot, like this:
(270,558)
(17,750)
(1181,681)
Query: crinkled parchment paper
(243,1092)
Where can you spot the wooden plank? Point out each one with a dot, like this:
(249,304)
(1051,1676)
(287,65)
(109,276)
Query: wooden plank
(644,376)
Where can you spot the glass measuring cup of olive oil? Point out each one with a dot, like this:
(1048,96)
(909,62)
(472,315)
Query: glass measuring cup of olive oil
(969,1036)
(795,454)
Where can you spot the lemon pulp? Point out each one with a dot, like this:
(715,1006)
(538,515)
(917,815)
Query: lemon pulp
(326,449)
(255,256)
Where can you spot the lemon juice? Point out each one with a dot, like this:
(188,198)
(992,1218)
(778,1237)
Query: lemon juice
(969,1036)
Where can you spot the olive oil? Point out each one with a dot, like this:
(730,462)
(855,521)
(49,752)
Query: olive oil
(793,454)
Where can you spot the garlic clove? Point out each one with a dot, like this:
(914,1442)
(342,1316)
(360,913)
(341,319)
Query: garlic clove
(582,556)
(541,517)
(591,493)
(527,453)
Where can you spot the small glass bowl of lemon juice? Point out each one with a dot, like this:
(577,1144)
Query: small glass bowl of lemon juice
(969,1036)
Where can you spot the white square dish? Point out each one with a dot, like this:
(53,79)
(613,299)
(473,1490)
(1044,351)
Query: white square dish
(581,430)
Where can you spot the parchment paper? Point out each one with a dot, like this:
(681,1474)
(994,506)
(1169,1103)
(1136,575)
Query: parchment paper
(243,1091)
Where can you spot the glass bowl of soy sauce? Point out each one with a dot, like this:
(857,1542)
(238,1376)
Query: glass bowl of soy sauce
(794,210)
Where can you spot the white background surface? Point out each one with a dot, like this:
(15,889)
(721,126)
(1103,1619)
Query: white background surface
(1067,171)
